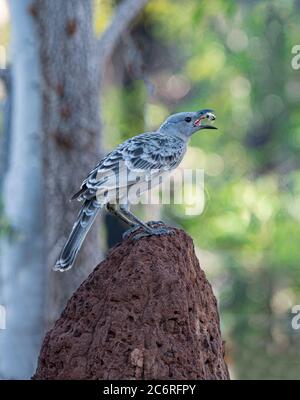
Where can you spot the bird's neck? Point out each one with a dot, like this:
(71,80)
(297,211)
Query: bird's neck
(170,129)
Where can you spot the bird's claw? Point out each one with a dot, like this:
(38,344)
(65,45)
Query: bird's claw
(154,232)
(153,224)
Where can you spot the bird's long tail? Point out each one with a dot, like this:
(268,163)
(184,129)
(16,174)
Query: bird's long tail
(79,231)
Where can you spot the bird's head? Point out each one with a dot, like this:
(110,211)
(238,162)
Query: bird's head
(187,123)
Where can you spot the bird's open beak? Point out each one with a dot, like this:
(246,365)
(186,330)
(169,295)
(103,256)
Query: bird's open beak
(205,116)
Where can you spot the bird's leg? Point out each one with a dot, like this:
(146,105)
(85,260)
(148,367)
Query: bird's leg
(136,223)
(147,230)
(115,210)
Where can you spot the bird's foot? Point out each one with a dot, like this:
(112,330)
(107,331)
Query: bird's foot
(153,224)
(153,232)
(130,231)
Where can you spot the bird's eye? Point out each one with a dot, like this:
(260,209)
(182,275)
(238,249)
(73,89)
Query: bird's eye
(188,119)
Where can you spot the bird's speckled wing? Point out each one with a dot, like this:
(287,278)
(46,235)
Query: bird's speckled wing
(145,155)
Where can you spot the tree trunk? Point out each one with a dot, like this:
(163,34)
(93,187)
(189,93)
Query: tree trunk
(146,312)
(22,252)
(54,143)
(6,112)
(71,127)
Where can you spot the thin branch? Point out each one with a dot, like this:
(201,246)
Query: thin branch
(134,62)
(124,15)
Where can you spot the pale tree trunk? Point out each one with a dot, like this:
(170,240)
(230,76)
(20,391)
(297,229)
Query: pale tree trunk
(5,76)
(55,142)
(22,255)
(73,60)
(71,128)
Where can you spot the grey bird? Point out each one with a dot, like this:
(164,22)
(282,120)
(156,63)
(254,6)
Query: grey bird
(142,159)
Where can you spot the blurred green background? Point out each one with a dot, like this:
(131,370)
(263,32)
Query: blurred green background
(234,57)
